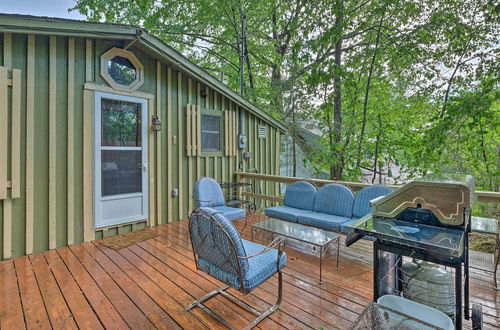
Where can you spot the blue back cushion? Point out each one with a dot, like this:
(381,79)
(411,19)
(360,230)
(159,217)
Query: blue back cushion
(300,195)
(211,243)
(362,202)
(207,192)
(334,199)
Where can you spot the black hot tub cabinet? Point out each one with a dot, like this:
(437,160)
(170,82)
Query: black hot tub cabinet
(427,219)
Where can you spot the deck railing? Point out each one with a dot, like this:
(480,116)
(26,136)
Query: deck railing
(482,196)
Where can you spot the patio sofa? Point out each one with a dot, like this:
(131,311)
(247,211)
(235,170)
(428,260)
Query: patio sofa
(332,207)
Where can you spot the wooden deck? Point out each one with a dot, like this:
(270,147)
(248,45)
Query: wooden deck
(149,284)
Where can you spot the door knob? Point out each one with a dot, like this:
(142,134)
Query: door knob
(145,167)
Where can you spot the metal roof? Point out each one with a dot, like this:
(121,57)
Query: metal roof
(75,28)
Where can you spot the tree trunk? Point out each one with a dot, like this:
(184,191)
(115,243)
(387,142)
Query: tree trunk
(367,91)
(336,169)
(375,160)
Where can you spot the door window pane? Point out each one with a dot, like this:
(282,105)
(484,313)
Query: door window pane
(210,133)
(120,123)
(121,172)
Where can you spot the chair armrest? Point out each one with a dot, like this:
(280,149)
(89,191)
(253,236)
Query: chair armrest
(280,241)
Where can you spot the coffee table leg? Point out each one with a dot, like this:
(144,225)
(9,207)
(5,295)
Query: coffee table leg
(320,264)
(338,251)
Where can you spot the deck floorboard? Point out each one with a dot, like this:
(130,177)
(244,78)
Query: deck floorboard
(148,285)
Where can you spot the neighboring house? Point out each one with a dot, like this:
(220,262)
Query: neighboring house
(104,129)
(307,142)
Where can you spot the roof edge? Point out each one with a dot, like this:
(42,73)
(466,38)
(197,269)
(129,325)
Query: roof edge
(70,27)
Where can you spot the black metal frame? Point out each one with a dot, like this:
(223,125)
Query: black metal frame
(456,263)
(222,290)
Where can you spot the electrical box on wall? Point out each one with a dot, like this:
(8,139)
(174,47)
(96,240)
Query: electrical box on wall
(243,141)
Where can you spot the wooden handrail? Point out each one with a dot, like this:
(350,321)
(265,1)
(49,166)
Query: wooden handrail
(482,196)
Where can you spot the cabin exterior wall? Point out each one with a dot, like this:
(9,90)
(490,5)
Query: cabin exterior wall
(53,149)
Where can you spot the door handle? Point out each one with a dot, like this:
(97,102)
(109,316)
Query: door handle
(145,167)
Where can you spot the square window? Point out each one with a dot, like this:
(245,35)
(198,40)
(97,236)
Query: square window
(210,133)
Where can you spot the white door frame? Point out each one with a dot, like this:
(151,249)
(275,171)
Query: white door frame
(98,198)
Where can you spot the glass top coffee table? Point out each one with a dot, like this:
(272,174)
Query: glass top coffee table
(310,235)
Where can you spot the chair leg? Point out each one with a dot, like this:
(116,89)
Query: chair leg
(221,290)
(244,226)
(209,295)
(273,308)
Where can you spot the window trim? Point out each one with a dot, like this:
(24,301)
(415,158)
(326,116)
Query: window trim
(215,113)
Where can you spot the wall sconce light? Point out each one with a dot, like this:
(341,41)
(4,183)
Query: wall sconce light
(203,92)
(156,123)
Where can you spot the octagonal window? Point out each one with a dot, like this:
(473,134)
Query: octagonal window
(121,69)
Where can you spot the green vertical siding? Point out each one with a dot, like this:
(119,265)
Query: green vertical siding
(212,166)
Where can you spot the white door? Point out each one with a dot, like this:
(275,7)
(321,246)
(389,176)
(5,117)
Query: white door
(121,159)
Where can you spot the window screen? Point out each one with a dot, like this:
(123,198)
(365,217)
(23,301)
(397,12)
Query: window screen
(210,133)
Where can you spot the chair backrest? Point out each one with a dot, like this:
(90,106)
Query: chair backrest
(207,192)
(217,242)
(300,195)
(362,201)
(334,199)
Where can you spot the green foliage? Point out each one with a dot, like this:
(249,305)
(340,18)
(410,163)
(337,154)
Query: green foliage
(411,84)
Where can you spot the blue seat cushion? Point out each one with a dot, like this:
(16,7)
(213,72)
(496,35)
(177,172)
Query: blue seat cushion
(232,213)
(334,199)
(285,213)
(300,195)
(323,220)
(362,201)
(260,267)
(207,192)
(219,246)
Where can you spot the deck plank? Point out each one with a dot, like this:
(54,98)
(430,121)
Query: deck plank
(85,269)
(11,311)
(148,285)
(182,253)
(157,249)
(332,313)
(160,318)
(33,307)
(80,309)
(163,298)
(59,313)
(191,291)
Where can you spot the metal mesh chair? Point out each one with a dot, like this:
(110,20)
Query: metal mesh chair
(243,265)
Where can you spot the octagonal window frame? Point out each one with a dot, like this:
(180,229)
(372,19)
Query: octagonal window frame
(112,53)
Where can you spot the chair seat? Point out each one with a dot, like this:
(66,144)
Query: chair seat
(286,213)
(260,267)
(323,220)
(232,213)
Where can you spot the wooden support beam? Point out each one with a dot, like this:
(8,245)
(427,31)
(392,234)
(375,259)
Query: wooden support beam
(159,147)
(71,142)
(4,138)
(52,141)
(169,144)
(30,143)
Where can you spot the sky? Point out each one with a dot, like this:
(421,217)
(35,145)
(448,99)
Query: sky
(51,8)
